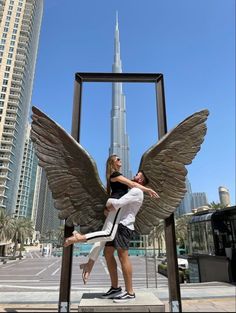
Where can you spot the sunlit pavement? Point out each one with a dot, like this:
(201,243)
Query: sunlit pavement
(32,284)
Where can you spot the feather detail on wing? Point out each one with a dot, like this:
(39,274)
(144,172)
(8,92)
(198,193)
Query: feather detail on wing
(71,172)
(164,165)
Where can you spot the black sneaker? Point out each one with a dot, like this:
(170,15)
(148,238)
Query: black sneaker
(111,293)
(126,297)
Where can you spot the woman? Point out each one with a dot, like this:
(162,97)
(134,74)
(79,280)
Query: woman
(117,186)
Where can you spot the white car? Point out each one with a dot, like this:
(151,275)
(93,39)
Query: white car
(182,263)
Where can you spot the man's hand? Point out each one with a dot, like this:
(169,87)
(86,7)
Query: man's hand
(110,207)
(106,212)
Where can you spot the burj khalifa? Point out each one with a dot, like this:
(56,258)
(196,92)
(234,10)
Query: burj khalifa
(119,137)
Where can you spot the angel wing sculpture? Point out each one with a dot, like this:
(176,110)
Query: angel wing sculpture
(76,187)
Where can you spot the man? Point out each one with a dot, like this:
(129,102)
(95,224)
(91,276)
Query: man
(130,208)
(117,233)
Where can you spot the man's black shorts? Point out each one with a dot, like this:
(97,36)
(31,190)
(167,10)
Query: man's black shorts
(122,238)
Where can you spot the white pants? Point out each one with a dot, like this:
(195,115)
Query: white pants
(134,197)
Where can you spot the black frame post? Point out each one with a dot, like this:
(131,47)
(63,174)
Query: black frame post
(171,253)
(67,256)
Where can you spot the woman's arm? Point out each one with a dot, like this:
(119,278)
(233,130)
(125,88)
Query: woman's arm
(132,184)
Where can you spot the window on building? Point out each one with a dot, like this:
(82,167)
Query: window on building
(8,61)
(4,35)
(5,82)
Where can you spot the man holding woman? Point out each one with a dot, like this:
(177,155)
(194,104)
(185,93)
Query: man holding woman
(121,209)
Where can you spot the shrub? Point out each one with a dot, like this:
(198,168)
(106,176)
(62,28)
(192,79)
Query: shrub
(162,269)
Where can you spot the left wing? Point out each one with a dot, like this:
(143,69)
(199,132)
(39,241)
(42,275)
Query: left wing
(71,172)
(164,165)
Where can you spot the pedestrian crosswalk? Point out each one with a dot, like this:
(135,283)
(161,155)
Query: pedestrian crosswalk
(38,272)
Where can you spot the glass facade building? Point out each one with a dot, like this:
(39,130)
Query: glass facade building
(20,22)
(119,138)
(26,190)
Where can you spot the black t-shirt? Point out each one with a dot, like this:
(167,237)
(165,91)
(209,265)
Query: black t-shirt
(117,189)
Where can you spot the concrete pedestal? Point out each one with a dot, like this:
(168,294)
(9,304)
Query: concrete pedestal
(144,302)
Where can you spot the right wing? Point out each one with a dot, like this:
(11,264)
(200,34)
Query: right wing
(71,172)
(165,166)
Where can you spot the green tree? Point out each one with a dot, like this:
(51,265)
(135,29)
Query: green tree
(6,229)
(60,235)
(23,229)
(216,206)
(181,229)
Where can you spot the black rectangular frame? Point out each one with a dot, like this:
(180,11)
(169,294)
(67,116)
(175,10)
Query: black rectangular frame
(66,269)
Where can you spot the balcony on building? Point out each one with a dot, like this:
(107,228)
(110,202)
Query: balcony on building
(8,132)
(12,109)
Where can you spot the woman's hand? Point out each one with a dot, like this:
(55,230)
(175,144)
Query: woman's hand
(152,193)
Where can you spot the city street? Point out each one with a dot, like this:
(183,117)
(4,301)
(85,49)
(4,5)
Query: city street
(33,284)
(37,272)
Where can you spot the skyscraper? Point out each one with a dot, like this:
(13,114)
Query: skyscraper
(20,23)
(186,203)
(26,190)
(47,216)
(119,137)
(224,196)
(199,199)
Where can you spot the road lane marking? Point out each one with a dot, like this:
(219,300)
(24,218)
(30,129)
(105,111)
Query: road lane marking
(44,269)
(31,287)
(104,266)
(20,281)
(55,271)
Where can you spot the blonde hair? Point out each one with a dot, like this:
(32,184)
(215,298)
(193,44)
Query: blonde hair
(110,168)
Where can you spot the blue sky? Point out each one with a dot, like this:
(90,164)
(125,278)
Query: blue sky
(192,43)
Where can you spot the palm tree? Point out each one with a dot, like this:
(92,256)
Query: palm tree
(23,229)
(6,229)
(216,206)
(158,233)
(60,235)
(181,229)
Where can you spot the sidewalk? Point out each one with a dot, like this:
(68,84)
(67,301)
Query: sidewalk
(205,297)
(206,305)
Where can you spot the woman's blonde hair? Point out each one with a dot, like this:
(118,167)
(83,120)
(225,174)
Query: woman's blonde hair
(109,170)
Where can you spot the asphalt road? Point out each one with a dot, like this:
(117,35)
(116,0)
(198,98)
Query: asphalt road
(38,273)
